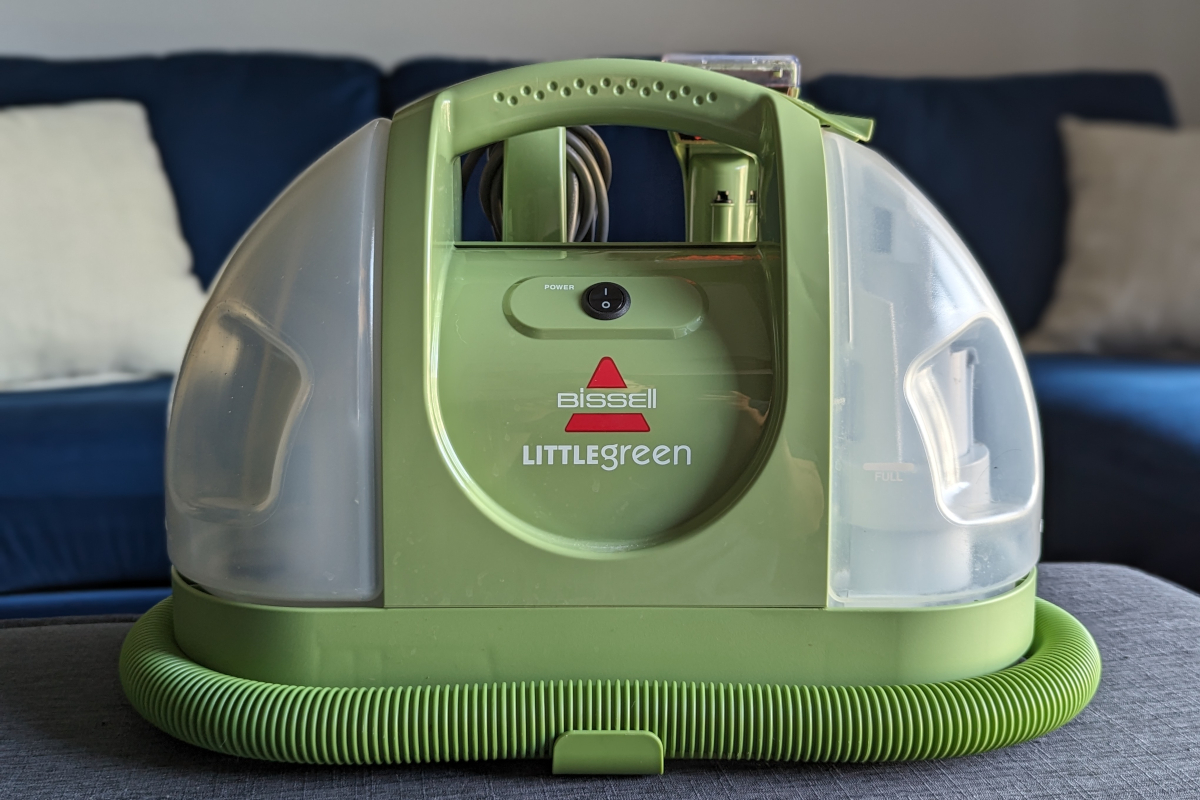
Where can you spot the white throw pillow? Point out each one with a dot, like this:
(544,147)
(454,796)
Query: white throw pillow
(1131,280)
(95,277)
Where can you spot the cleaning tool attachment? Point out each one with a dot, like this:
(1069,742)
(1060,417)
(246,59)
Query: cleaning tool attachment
(773,492)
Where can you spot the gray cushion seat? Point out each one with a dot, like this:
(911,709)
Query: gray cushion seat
(66,729)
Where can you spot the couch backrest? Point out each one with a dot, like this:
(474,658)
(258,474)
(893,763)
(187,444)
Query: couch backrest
(233,130)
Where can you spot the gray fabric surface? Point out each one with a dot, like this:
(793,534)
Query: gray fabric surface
(67,731)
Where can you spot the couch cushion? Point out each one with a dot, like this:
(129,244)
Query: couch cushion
(233,130)
(1122,443)
(1130,284)
(987,151)
(646,196)
(81,486)
(97,276)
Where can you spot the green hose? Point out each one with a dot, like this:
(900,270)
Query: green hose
(417,724)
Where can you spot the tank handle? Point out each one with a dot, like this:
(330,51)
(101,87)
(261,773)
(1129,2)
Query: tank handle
(606,92)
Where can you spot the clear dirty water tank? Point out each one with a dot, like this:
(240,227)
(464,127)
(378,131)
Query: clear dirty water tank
(936,481)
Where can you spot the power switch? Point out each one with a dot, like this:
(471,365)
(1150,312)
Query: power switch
(605,300)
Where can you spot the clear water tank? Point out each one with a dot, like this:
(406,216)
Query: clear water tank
(271,445)
(936,480)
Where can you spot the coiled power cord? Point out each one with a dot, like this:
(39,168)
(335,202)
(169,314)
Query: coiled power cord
(589,174)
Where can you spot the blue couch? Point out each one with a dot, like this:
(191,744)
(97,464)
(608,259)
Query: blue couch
(81,504)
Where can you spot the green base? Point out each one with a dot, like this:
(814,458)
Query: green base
(467,722)
(381,647)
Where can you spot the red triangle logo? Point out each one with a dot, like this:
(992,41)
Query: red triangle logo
(608,423)
(607,376)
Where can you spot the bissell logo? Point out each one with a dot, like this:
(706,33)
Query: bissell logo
(607,456)
(607,376)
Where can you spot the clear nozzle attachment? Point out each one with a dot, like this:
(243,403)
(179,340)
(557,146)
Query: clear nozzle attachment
(778,72)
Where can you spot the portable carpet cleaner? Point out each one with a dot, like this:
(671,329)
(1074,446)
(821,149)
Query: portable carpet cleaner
(773,493)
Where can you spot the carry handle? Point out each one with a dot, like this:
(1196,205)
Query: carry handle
(606,92)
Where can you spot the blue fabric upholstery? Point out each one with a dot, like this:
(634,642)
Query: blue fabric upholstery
(1122,444)
(987,151)
(81,476)
(233,130)
(79,603)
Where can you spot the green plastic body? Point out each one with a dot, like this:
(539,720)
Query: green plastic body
(414,646)
(695,549)
(744,397)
